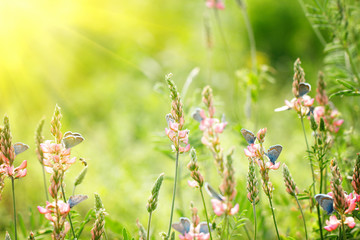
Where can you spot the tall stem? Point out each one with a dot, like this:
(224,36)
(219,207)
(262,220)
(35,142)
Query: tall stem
(206,213)
(14,205)
(302,214)
(174,191)
(254,210)
(313,175)
(45,187)
(273,214)
(148,228)
(69,216)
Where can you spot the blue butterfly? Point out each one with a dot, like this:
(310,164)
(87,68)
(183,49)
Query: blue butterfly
(184,226)
(75,200)
(197,116)
(304,88)
(274,152)
(212,192)
(20,147)
(326,202)
(248,135)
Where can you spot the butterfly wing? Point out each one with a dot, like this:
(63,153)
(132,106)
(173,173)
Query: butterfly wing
(20,147)
(274,152)
(183,226)
(197,116)
(283,108)
(326,202)
(75,200)
(248,135)
(72,139)
(213,193)
(204,228)
(304,88)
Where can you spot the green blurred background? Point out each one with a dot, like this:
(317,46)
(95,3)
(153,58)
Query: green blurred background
(103,62)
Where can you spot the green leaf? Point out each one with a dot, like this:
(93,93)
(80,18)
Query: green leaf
(125,234)
(80,177)
(22,226)
(345,93)
(346,84)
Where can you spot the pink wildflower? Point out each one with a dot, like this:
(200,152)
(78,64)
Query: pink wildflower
(272,166)
(193,184)
(252,150)
(332,224)
(180,138)
(350,222)
(215,4)
(220,207)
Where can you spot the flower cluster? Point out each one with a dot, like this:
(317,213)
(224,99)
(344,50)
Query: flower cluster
(57,212)
(175,120)
(218,4)
(56,161)
(211,128)
(302,103)
(195,173)
(257,154)
(326,109)
(99,225)
(179,138)
(8,152)
(343,203)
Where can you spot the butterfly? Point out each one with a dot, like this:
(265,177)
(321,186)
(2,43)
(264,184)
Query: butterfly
(304,88)
(72,139)
(326,202)
(197,116)
(20,147)
(274,152)
(248,135)
(75,200)
(212,192)
(184,226)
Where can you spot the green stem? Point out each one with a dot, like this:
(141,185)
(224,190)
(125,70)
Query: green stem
(223,37)
(206,213)
(302,214)
(273,214)
(313,175)
(254,210)
(174,192)
(223,234)
(45,187)
(148,229)
(69,216)
(14,205)
(246,231)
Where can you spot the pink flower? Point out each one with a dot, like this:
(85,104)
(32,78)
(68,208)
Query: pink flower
(215,4)
(18,172)
(272,166)
(219,127)
(56,153)
(350,222)
(319,112)
(261,134)
(50,210)
(193,184)
(351,202)
(332,224)
(220,207)
(252,150)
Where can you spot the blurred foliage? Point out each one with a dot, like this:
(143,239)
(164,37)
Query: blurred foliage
(103,62)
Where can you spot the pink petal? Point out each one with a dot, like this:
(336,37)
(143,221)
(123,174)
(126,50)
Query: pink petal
(43,210)
(217,207)
(193,184)
(234,210)
(350,222)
